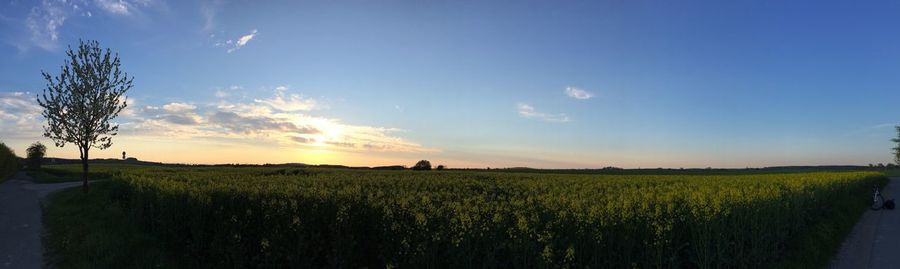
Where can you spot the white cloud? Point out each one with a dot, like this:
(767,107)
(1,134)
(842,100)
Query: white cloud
(46,19)
(130,108)
(226,92)
(288,102)
(117,7)
(884,125)
(527,111)
(255,122)
(20,115)
(178,107)
(578,93)
(246,38)
(278,119)
(242,41)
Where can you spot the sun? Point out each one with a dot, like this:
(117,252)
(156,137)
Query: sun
(328,133)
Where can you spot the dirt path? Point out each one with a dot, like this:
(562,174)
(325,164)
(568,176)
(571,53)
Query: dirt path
(20,220)
(875,240)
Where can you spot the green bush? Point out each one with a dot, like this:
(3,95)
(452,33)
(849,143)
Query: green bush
(250,218)
(9,163)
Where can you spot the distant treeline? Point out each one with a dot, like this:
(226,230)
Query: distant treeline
(292,165)
(603,171)
(682,171)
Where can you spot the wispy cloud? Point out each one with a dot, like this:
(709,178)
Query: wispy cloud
(885,125)
(178,107)
(288,102)
(221,93)
(226,92)
(529,112)
(130,108)
(280,120)
(18,113)
(239,43)
(117,7)
(872,130)
(578,93)
(46,19)
(246,38)
(175,113)
(209,10)
(124,7)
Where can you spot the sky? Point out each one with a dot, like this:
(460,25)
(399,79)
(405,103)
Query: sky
(547,84)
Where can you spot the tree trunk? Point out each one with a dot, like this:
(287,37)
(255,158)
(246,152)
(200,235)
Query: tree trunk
(84,171)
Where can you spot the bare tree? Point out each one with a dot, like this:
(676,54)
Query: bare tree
(80,102)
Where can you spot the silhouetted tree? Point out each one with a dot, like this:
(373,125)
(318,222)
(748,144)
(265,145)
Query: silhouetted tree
(79,103)
(441,167)
(9,163)
(35,155)
(422,165)
(897,148)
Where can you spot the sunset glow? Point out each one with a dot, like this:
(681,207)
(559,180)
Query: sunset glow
(537,84)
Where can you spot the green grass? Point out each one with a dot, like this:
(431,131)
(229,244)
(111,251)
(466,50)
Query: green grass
(93,231)
(892,172)
(51,175)
(72,172)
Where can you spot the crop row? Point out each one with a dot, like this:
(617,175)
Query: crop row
(331,218)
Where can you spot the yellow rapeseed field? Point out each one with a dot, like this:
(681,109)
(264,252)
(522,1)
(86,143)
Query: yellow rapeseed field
(268,217)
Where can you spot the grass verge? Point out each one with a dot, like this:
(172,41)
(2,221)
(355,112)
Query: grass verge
(892,172)
(92,231)
(57,174)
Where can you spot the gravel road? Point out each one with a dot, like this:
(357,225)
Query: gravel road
(20,220)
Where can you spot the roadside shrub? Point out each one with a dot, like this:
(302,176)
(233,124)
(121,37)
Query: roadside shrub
(9,163)
(248,219)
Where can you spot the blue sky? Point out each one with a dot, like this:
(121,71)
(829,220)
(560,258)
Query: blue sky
(476,83)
